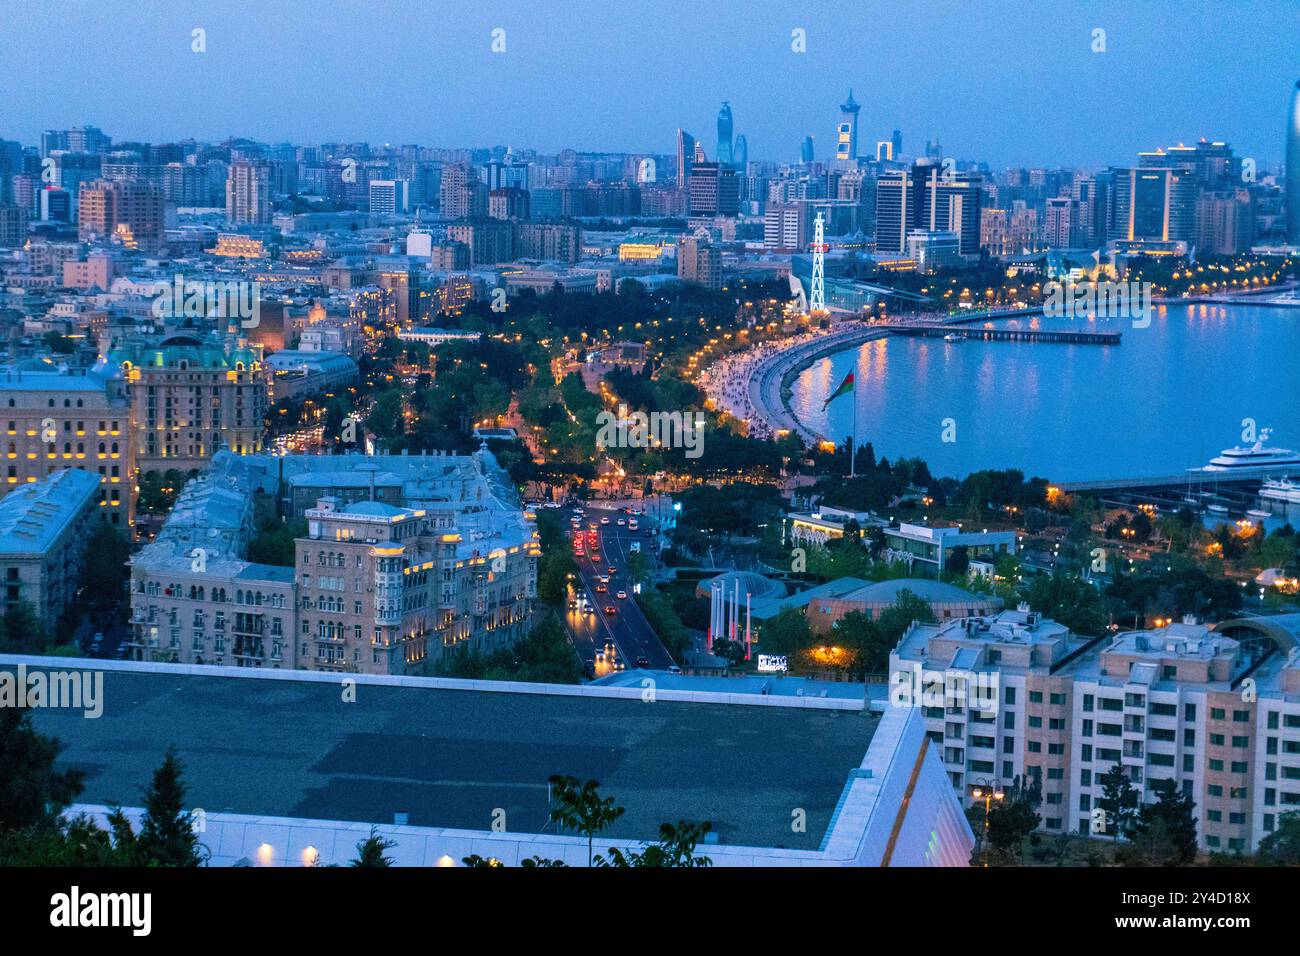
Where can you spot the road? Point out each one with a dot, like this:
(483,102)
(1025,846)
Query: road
(626,627)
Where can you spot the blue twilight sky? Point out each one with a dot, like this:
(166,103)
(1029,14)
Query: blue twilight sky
(1012,82)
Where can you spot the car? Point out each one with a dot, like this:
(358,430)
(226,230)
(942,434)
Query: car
(618,665)
(613,571)
(595,557)
(604,520)
(575,522)
(610,609)
(632,525)
(621,595)
(643,662)
(600,655)
(589,609)
(638,512)
(634,547)
(621,522)
(674,669)
(601,589)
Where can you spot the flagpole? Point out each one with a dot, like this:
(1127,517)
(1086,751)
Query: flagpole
(853,438)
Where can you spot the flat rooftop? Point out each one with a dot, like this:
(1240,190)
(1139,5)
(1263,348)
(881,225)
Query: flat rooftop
(448,758)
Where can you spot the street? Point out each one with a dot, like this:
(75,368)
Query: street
(627,627)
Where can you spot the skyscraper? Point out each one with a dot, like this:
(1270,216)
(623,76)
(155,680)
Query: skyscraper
(685,156)
(1293,169)
(725,156)
(740,154)
(248,193)
(846,134)
(132,211)
(806,150)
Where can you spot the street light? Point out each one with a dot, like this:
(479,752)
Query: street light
(988,791)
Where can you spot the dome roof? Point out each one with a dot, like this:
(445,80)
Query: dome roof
(755,585)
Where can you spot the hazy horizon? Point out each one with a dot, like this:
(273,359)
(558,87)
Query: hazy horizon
(1012,89)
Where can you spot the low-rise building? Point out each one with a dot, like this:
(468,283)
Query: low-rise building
(44,529)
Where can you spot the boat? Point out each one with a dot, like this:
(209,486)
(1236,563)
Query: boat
(1217,509)
(954,337)
(1280,489)
(1241,459)
(1256,513)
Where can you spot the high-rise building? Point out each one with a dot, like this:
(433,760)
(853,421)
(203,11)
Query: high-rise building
(1063,225)
(787,227)
(490,241)
(1154,202)
(1040,703)
(921,198)
(846,133)
(699,262)
(461,194)
(390,197)
(557,241)
(509,202)
(725,156)
(806,150)
(71,170)
(248,193)
(685,157)
(129,212)
(740,153)
(13,225)
(714,191)
(1293,169)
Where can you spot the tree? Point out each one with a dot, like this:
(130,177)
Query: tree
(1282,846)
(733,652)
(676,847)
(581,807)
(1119,799)
(104,573)
(370,851)
(166,836)
(786,633)
(1164,833)
(32,793)
(1015,816)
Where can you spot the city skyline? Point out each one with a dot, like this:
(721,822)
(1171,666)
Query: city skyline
(448,88)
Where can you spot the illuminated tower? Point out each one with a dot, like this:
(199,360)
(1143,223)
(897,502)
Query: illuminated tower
(817,301)
(846,134)
(724,135)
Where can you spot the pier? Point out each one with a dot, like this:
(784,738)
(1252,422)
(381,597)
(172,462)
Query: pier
(1008,335)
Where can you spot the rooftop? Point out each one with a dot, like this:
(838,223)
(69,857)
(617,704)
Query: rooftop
(286,744)
(33,515)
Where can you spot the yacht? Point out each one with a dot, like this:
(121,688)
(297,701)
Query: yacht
(1242,459)
(954,338)
(1280,489)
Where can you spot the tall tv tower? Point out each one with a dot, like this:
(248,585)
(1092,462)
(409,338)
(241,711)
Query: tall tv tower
(817,301)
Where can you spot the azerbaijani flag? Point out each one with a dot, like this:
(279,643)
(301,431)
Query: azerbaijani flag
(845,386)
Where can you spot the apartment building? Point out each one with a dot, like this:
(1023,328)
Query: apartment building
(131,212)
(56,418)
(1215,709)
(405,558)
(44,529)
(191,397)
